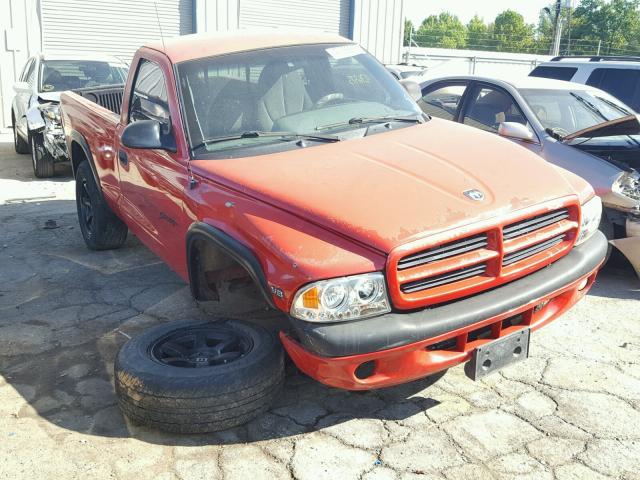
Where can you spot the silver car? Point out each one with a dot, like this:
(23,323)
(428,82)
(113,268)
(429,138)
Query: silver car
(577,127)
(35,109)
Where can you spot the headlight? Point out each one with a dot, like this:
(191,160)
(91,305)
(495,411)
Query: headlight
(51,111)
(591,213)
(628,184)
(340,299)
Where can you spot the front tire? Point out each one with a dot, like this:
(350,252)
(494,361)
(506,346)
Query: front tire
(42,160)
(197,377)
(100,227)
(19,144)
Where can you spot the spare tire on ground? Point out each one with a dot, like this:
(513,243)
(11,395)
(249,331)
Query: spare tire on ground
(195,377)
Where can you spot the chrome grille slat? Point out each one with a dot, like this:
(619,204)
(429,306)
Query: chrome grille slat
(441,252)
(527,226)
(532,250)
(444,279)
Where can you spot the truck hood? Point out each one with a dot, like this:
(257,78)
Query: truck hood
(629,125)
(387,189)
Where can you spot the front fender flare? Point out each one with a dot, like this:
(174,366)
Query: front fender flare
(232,247)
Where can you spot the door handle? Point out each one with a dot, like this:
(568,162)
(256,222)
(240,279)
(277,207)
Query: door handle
(122,156)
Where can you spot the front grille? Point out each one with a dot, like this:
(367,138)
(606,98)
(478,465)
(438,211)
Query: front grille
(532,250)
(444,279)
(532,224)
(500,253)
(441,252)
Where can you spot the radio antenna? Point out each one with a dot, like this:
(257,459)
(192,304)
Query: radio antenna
(155,5)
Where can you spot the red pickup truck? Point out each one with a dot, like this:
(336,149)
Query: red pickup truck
(395,245)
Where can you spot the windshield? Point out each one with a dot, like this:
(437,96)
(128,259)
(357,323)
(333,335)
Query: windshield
(60,75)
(568,111)
(303,90)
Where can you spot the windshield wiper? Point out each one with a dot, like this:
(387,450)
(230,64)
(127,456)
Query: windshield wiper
(589,105)
(417,118)
(613,105)
(262,134)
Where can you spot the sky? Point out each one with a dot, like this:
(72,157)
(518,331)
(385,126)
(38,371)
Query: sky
(418,10)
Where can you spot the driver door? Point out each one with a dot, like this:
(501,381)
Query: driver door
(153,181)
(488,106)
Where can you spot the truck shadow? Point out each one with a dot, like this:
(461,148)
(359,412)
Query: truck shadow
(65,311)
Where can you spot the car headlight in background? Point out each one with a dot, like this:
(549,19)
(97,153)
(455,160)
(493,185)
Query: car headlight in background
(341,299)
(628,184)
(51,111)
(591,214)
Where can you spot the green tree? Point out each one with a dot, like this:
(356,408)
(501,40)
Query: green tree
(512,34)
(444,31)
(613,24)
(408,27)
(478,35)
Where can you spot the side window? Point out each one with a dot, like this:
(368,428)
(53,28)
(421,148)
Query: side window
(149,99)
(620,82)
(557,73)
(490,107)
(443,102)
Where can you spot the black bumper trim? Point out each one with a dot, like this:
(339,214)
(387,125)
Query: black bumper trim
(397,329)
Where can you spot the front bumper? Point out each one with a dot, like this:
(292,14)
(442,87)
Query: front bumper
(400,347)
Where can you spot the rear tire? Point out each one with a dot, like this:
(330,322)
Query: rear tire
(20,145)
(100,227)
(170,379)
(42,160)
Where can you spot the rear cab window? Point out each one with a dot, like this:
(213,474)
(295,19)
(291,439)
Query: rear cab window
(556,73)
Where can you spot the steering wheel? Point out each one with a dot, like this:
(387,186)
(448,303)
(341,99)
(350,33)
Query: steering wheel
(329,99)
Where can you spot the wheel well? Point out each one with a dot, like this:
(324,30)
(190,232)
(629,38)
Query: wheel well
(77,156)
(215,276)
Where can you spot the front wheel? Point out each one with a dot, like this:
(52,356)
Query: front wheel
(196,377)
(42,160)
(100,227)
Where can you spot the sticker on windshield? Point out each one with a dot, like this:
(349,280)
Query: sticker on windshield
(345,51)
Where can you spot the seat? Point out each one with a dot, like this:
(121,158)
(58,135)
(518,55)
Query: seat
(281,92)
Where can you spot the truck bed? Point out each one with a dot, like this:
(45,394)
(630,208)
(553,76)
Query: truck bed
(89,115)
(108,97)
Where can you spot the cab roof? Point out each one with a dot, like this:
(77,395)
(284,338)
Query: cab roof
(190,47)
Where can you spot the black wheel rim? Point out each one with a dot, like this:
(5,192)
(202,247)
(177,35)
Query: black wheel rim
(86,209)
(200,347)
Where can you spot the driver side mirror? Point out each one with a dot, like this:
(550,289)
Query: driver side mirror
(515,130)
(413,88)
(148,134)
(21,87)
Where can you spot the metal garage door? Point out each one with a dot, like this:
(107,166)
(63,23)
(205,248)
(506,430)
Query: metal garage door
(327,15)
(117,27)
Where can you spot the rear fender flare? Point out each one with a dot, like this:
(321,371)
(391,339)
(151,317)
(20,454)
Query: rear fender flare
(231,247)
(76,138)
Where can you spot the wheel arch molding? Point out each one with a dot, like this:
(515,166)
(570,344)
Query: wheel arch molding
(231,247)
(75,142)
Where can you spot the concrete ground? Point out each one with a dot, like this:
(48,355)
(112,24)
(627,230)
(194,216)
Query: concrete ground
(571,411)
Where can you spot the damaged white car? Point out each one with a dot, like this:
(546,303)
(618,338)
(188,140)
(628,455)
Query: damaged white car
(35,112)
